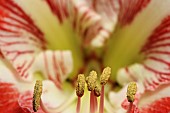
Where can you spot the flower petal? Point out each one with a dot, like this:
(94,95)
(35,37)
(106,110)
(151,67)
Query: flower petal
(20,38)
(25,101)
(108,12)
(9,98)
(150,100)
(56,100)
(163,104)
(11,89)
(155,68)
(92,20)
(21,43)
(54,65)
(129,10)
(127,42)
(58,31)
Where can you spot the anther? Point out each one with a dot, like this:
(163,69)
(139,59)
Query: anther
(105,75)
(103,80)
(80,86)
(91,80)
(97,90)
(37,95)
(131,91)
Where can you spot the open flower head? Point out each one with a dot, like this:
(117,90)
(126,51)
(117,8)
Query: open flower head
(66,45)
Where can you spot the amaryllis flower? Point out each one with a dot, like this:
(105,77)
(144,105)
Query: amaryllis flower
(59,41)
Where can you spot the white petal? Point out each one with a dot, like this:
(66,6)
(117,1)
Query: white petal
(56,100)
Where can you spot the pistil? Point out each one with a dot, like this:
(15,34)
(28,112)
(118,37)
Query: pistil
(80,86)
(103,80)
(131,91)
(91,84)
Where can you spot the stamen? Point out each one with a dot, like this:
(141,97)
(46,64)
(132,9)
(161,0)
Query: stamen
(97,90)
(91,83)
(37,95)
(80,86)
(131,91)
(101,108)
(91,80)
(105,75)
(78,105)
(92,102)
(103,80)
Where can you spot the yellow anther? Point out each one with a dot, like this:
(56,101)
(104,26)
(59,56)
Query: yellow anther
(97,90)
(105,75)
(91,80)
(37,95)
(80,85)
(131,91)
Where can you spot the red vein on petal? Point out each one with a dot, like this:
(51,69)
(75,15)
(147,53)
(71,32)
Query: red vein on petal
(48,72)
(59,8)
(129,9)
(159,60)
(61,63)
(56,69)
(9,8)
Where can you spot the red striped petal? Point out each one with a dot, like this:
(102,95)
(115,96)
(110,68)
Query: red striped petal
(25,101)
(59,8)
(125,46)
(92,20)
(108,12)
(9,98)
(55,65)
(129,9)
(159,106)
(154,70)
(20,38)
(157,101)
(157,51)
